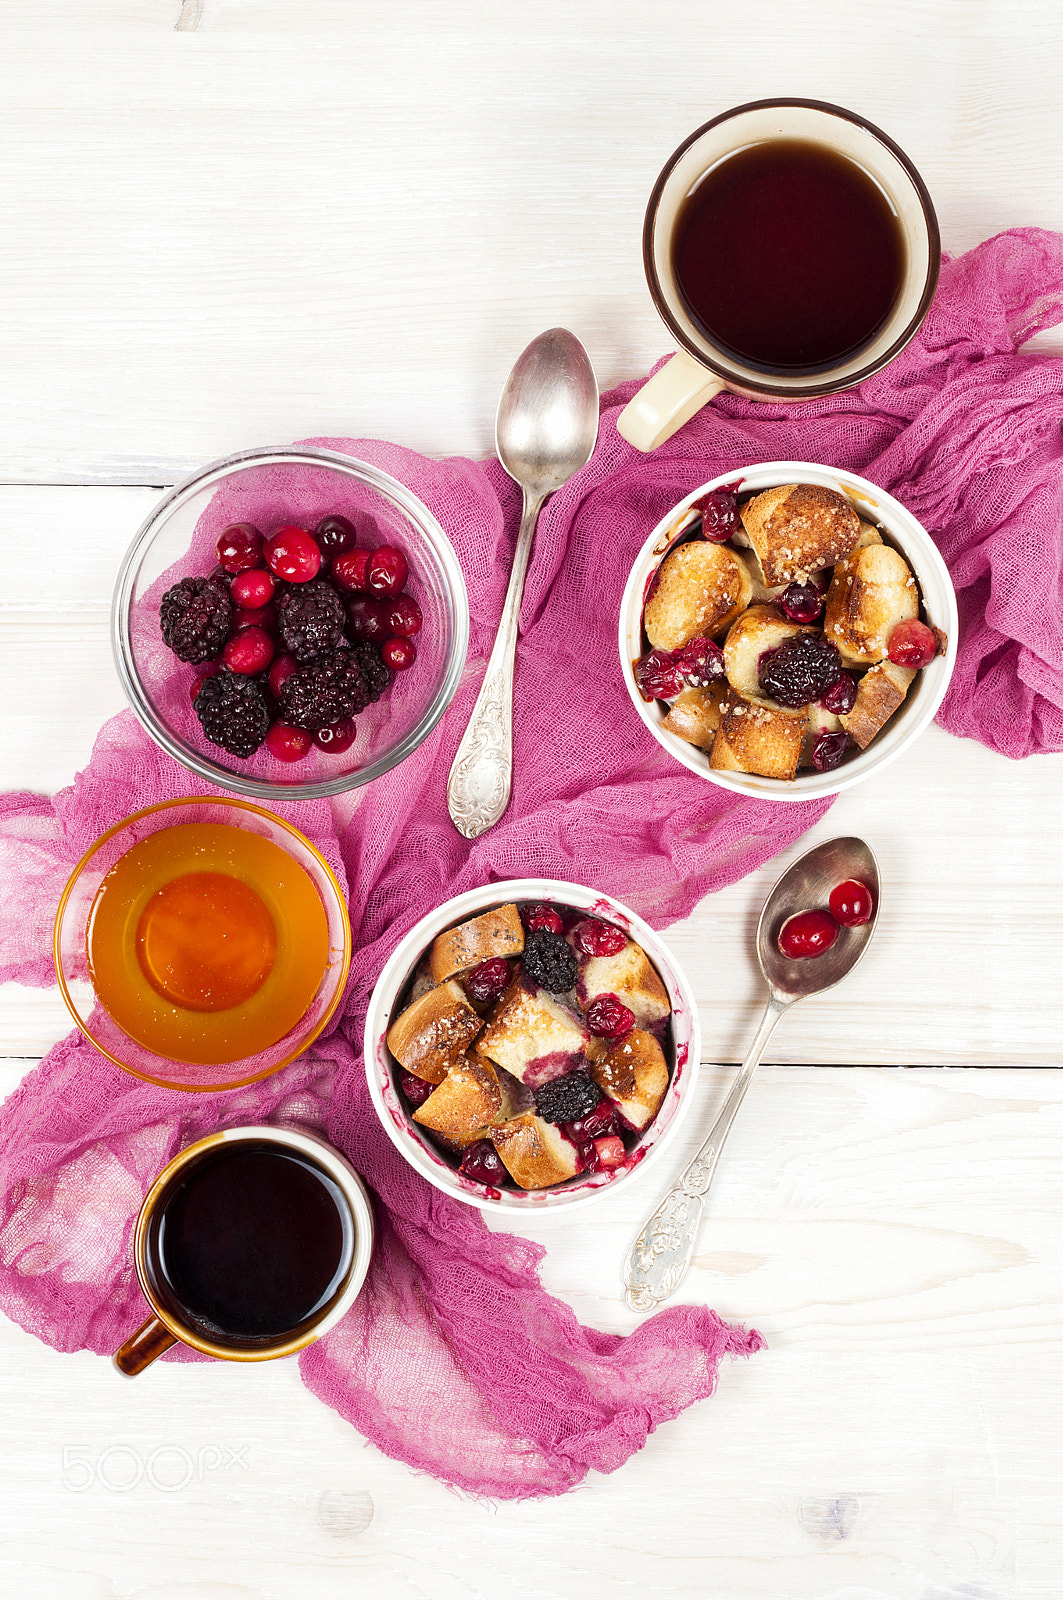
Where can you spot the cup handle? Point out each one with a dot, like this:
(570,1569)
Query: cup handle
(141,1348)
(666,401)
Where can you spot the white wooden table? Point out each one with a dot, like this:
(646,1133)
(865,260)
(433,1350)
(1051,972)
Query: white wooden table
(238,222)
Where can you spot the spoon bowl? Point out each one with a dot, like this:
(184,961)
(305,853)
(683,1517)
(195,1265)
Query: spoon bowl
(809,883)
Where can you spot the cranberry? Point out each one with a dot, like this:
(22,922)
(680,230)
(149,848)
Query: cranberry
(595,938)
(250,651)
(610,1151)
(399,653)
(334,535)
(279,673)
(388,570)
(337,738)
(293,554)
(608,1017)
(801,602)
(588,1155)
(542,916)
(350,571)
(240,548)
(841,696)
(595,1124)
(482,1163)
(657,675)
(809,933)
(912,644)
(719,514)
(404,616)
(700,662)
(287,743)
(367,618)
(489,981)
(415,1089)
(829,750)
(851,903)
(265,617)
(253,589)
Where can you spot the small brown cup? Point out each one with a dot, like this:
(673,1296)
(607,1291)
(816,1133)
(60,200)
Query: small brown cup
(170,1323)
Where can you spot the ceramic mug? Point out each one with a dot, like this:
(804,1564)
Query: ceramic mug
(701,369)
(250,1244)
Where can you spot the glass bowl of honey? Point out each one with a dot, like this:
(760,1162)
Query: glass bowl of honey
(202,944)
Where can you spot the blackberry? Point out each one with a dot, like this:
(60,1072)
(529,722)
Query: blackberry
(324,692)
(549,961)
(310,618)
(232,711)
(376,674)
(801,670)
(194,617)
(567,1099)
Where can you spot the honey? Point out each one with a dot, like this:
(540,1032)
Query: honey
(206,943)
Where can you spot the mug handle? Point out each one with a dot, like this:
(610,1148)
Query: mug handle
(151,1339)
(666,401)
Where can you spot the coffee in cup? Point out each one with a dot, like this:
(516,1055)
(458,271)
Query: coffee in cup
(249,1245)
(793,251)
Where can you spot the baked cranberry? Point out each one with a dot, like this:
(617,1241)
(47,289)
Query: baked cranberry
(588,1155)
(801,602)
(253,589)
(830,749)
(279,673)
(700,662)
(198,681)
(610,1150)
(542,916)
(399,653)
(489,981)
(338,737)
(657,675)
(809,933)
(415,1089)
(851,903)
(719,515)
(595,938)
(841,696)
(595,1124)
(350,570)
(240,548)
(404,616)
(249,652)
(367,619)
(483,1164)
(334,535)
(609,1018)
(265,617)
(388,570)
(912,644)
(292,553)
(287,743)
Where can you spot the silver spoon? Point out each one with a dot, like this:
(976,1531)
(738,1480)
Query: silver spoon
(662,1252)
(545,431)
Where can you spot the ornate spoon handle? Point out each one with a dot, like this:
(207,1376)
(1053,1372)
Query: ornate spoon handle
(663,1250)
(481,776)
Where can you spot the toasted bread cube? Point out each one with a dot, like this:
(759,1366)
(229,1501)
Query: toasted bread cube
(878,694)
(758,629)
(632,977)
(525,1027)
(471,1099)
(755,738)
(870,593)
(799,528)
(434,1032)
(499,932)
(634,1075)
(695,714)
(700,589)
(533,1152)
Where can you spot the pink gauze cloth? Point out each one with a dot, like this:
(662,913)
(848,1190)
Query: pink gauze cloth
(454,1359)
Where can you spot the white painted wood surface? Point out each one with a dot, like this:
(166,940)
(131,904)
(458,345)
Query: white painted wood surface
(237,222)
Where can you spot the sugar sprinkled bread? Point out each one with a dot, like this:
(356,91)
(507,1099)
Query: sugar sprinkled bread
(526,1027)
(472,1097)
(433,1033)
(878,694)
(700,589)
(634,1074)
(632,977)
(754,738)
(799,528)
(498,932)
(696,713)
(534,1153)
(759,629)
(871,592)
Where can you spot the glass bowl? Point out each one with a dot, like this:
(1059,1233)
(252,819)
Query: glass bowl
(72,923)
(414,1143)
(270,488)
